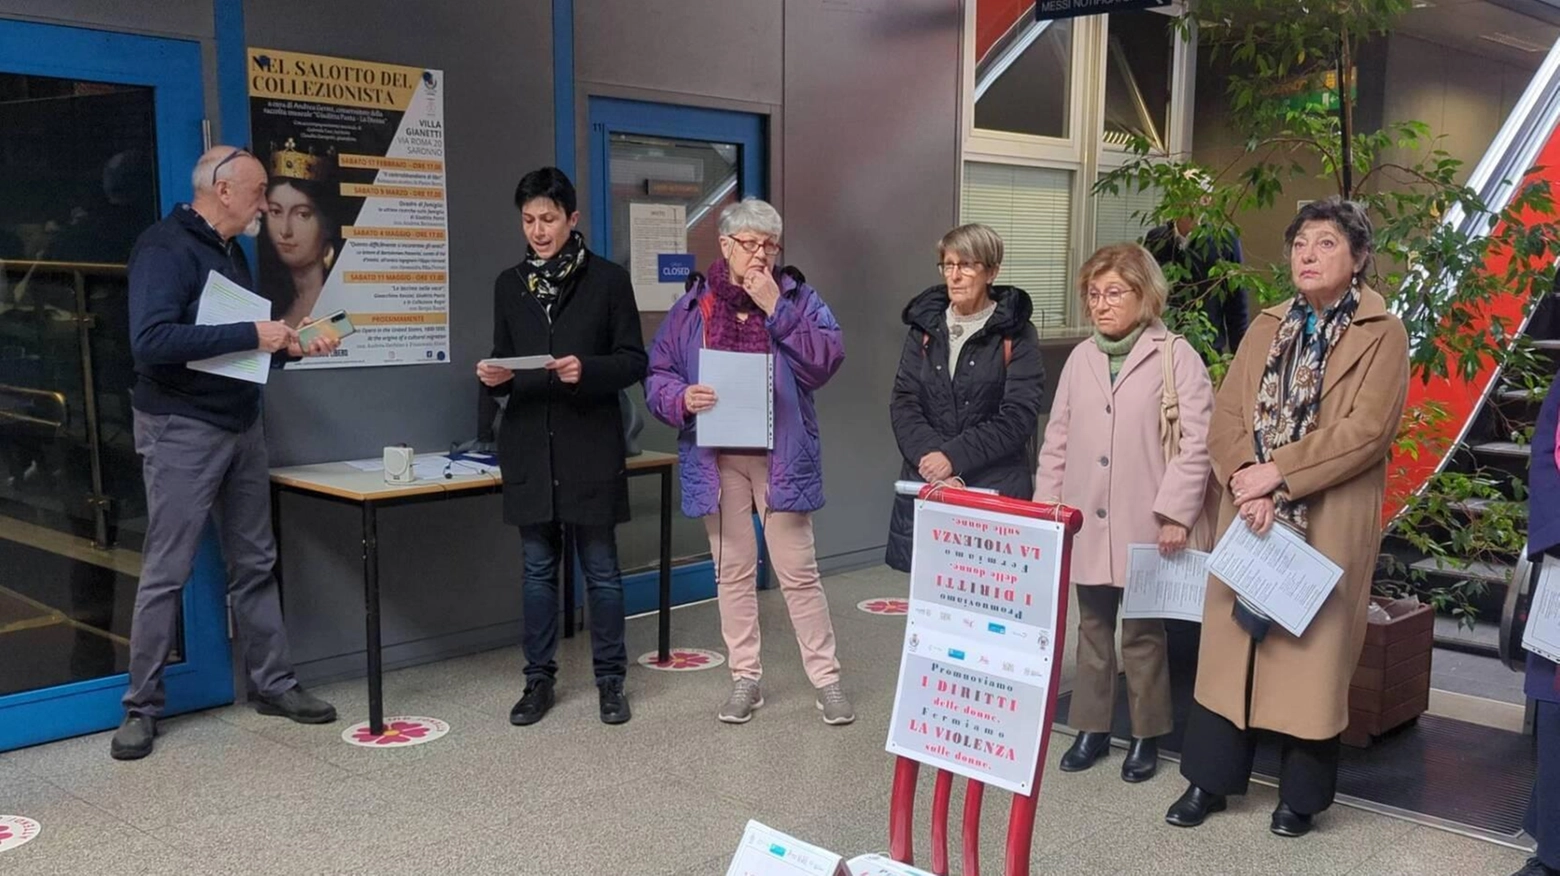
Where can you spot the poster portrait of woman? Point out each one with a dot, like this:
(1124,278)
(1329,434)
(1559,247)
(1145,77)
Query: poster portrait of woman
(302,239)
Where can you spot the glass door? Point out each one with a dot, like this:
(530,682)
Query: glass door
(101,131)
(660,175)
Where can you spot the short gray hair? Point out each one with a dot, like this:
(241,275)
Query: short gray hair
(980,243)
(750,214)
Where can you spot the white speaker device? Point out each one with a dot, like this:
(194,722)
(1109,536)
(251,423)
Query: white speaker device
(398,465)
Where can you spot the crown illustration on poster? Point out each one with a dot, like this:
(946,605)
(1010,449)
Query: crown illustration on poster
(290,163)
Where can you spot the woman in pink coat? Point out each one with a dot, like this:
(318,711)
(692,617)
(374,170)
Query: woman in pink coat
(1103,454)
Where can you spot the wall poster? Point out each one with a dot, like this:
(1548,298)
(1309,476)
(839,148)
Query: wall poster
(356,216)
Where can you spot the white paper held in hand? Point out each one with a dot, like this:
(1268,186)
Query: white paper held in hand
(1164,587)
(1278,573)
(768,852)
(224,302)
(1542,636)
(520,363)
(743,415)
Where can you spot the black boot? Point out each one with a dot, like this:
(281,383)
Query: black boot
(534,703)
(614,702)
(1142,761)
(1087,748)
(1289,823)
(1535,867)
(1194,807)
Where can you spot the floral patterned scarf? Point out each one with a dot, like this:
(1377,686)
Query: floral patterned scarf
(545,278)
(1289,399)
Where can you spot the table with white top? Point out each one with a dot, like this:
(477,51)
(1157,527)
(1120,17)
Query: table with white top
(340,482)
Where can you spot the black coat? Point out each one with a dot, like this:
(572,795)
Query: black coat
(561,446)
(1227,309)
(983,419)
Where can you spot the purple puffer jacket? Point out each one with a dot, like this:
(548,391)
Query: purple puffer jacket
(808,350)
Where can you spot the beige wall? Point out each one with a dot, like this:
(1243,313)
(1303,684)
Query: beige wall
(1464,98)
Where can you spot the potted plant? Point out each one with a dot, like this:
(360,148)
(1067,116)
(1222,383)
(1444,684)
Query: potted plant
(1292,88)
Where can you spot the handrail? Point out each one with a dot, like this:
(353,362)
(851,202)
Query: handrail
(58,398)
(84,267)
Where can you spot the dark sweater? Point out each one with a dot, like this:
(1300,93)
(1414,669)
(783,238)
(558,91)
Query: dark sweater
(168,268)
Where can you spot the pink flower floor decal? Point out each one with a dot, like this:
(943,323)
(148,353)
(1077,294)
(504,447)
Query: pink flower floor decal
(885,605)
(683,660)
(400,731)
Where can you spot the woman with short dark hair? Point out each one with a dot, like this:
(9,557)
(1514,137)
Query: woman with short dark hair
(1302,431)
(561,444)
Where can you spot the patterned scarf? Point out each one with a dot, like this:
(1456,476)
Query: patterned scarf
(545,278)
(735,324)
(1289,398)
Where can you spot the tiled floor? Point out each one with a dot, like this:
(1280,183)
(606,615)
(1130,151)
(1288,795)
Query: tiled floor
(228,791)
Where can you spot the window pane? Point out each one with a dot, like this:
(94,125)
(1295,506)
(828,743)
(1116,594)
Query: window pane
(1139,67)
(1114,219)
(1023,80)
(77,185)
(699,176)
(1031,207)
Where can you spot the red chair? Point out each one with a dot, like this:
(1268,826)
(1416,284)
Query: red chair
(1021,813)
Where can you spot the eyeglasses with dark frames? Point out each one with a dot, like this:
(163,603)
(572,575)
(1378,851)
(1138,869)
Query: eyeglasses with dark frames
(230,156)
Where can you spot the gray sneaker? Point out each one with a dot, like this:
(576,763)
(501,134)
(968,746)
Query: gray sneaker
(745,697)
(835,707)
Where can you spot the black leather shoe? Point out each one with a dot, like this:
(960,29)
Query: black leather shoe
(1194,807)
(1287,822)
(1087,748)
(298,705)
(614,702)
(134,738)
(1142,761)
(534,703)
(1535,867)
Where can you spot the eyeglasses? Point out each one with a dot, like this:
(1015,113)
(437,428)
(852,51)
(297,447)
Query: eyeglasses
(1111,296)
(750,246)
(967,269)
(230,156)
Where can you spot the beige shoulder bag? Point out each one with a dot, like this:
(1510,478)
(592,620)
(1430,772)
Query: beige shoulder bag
(1201,537)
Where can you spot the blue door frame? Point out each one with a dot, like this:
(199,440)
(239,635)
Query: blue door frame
(173,68)
(609,116)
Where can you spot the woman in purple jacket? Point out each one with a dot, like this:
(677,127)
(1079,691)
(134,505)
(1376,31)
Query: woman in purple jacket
(747,305)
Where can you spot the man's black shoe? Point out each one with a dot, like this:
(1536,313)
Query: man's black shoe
(298,705)
(133,739)
(534,703)
(614,702)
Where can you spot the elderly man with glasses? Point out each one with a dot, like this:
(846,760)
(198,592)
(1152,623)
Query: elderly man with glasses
(202,445)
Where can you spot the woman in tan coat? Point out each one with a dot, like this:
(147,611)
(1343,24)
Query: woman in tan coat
(1301,433)
(1103,455)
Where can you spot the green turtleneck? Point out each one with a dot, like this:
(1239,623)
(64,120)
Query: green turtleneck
(1116,351)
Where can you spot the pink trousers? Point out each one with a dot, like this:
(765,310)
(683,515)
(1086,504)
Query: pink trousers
(744,485)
